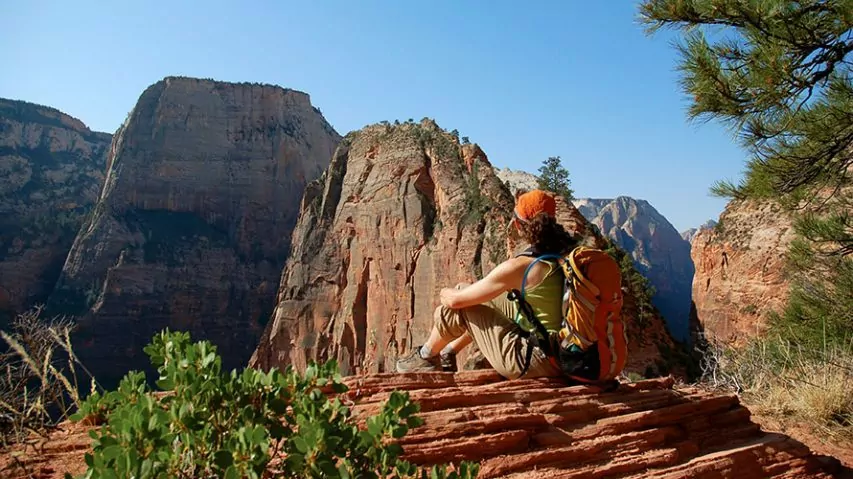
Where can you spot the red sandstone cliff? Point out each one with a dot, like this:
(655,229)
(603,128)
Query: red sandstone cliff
(401,212)
(740,270)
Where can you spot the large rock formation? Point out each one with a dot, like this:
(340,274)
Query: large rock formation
(541,428)
(740,270)
(402,212)
(658,250)
(51,171)
(194,221)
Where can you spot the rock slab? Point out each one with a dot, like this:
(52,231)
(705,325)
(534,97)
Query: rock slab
(543,428)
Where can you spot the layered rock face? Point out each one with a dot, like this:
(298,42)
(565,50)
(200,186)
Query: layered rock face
(658,250)
(194,222)
(402,212)
(51,171)
(542,428)
(740,265)
(537,428)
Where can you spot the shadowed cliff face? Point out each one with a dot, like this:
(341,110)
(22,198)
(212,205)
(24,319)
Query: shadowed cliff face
(740,270)
(400,213)
(194,221)
(51,171)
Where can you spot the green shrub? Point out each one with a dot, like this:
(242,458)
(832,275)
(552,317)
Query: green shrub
(475,203)
(248,424)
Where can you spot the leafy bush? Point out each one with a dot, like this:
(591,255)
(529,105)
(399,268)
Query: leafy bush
(249,424)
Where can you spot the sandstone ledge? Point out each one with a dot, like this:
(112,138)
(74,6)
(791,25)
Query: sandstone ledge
(545,428)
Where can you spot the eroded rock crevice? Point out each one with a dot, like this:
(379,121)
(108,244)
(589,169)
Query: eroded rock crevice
(360,321)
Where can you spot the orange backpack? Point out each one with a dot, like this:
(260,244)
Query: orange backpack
(591,344)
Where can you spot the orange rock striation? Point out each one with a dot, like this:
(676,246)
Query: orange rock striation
(545,428)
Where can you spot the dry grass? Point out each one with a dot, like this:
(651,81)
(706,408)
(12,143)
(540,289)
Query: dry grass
(38,376)
(785,382)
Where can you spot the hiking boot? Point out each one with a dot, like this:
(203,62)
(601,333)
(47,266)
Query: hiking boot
(448,362)
(413,362)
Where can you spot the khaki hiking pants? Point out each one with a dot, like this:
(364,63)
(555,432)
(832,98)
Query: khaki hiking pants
(498,337)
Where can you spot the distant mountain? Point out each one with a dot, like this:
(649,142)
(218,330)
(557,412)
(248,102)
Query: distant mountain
(193,225)
(590,207)
(688,235)
(658,249)
(51,171)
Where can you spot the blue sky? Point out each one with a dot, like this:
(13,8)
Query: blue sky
(570,78)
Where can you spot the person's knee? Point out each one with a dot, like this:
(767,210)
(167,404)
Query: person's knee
(448,322)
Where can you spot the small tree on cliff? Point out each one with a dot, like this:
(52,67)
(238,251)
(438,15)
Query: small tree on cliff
(555,178)
(780,76)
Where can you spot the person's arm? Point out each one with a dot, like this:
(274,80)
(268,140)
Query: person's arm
(504,277)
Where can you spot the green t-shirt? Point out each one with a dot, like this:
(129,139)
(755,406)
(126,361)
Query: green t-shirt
(546,299)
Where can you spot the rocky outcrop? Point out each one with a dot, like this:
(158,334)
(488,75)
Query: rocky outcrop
(740,270)
(517,180)
(658,251)
(194,221)
(544,428)
(401,212)
(690,233)
(51,171)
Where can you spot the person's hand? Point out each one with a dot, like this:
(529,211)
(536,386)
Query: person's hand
(446,296)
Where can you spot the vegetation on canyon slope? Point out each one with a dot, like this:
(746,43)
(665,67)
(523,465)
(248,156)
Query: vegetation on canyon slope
(779,74)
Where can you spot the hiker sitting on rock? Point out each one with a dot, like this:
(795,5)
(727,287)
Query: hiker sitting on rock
(481,312)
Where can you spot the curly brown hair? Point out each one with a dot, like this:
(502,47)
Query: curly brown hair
(546,236)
